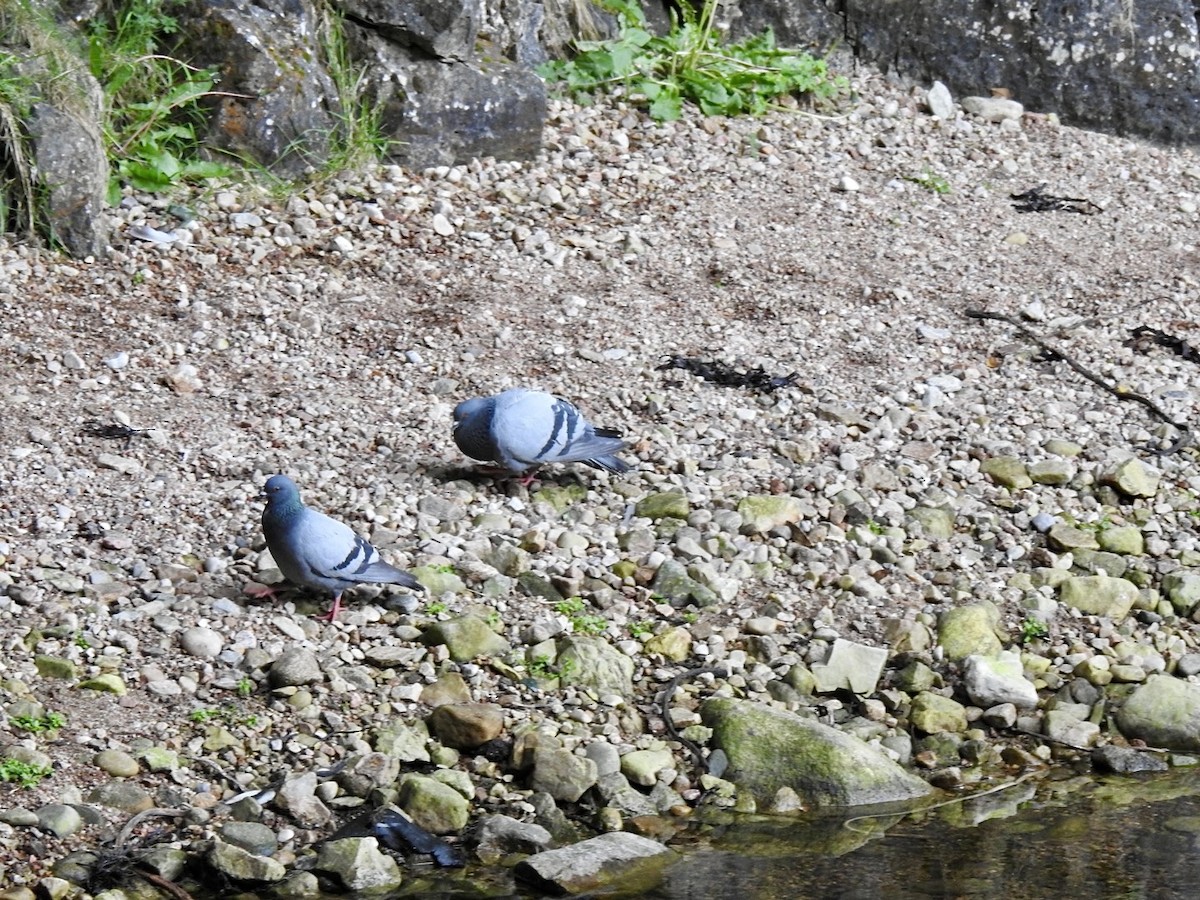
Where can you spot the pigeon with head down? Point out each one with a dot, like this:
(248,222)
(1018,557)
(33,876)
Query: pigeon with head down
(317,552)
(521,430)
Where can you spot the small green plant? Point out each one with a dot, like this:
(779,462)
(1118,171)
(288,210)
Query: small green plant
(37,724)
(229,714)
(570,607)
(588,624)
(691,64)
(874,527)
(359,137)
(153,99)
(931,181)
(566,667)
(27,775)
(541,667)
(436,608)
(690,617)
(82,643)
(245,687)
(640,629)
(1033,630)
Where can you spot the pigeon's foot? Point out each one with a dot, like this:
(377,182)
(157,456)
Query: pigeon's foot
(260,591)
(332,614)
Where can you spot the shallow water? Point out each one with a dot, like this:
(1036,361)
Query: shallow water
(1078,837)
(1060,837)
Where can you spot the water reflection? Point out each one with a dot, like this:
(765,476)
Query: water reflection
(1077,837)
(1059,837)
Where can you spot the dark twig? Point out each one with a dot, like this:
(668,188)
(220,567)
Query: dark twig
(168,887)
(1052,352)
(718,372)
(1037,200)
(665,709)
(159,812)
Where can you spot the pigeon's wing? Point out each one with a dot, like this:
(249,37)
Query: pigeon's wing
(333,553)
(536,428)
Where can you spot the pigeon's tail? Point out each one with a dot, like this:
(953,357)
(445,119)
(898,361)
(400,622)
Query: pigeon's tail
(609,463)
(380,572)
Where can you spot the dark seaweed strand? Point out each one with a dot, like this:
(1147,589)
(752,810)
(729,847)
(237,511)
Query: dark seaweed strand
(665,709)
(1052,352)
(718,372)
(1037,200)
(1182,348)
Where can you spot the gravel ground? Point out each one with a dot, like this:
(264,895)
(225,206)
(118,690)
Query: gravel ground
(329,336)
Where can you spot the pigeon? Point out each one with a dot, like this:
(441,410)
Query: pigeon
(520,430)
(315,551)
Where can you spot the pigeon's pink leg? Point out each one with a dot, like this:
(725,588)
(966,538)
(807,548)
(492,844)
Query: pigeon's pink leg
(332,614)
(260,591)
(529,477)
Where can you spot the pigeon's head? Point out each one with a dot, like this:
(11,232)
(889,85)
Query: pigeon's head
(472,427)
(280,489)
(470,410)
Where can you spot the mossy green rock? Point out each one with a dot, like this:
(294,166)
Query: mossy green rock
(359,864)
(1133,478)
(55,667)
(624,568)
(466,637)
(1067,537)
(1182,588)
(1051,471)
(239,865)
(1098,562)
(642,766)
(915,677)
(107,684)
(1163,712)
(591,663)
(617,864)
(159,759)
(1099,595)
(936,522)
(935,714)
(559,497)
(673,582)
(763,512)
(438,580)
(970,629)
(436,807)
(769,749)
(666,505)
(1060,447)
(673,644)
(1007,471)
(535,585)
(1126,540)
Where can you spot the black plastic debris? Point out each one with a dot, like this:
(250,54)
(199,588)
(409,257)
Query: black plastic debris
(717,372)
(1142,335)
(398,832)
(1037,200)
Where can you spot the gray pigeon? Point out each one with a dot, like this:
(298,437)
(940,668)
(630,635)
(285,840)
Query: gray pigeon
(522,429)
(315,551)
